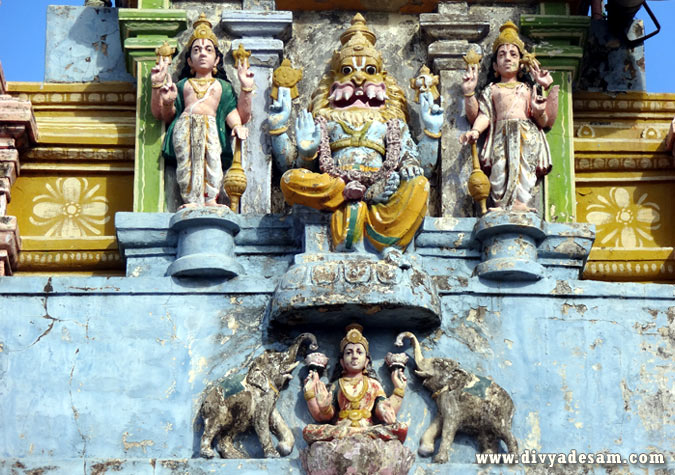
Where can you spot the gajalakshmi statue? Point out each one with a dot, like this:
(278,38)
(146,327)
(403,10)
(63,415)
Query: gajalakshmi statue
(356,157)
(358,404)
(515,115)
(203,112)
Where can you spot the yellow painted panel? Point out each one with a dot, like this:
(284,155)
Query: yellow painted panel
(70,210)
(628,215)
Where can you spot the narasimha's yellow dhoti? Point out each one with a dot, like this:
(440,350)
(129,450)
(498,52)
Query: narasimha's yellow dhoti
(390,224)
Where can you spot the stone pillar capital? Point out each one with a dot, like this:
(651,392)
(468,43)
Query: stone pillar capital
(560,39)
(449,36)
(143,30)
(261,32)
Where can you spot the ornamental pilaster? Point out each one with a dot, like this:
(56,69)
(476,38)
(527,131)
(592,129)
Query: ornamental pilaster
(560,41)
(449,36)
(18,129)
(261,33)
(143,30)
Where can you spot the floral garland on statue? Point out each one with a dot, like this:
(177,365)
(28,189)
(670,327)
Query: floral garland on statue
(391,162)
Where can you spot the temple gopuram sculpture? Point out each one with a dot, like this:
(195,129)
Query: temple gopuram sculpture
(514,112)
(356,415)
(356,157)
(203,113)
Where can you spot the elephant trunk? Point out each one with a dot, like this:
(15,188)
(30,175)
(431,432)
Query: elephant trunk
(419,358)
(299,340)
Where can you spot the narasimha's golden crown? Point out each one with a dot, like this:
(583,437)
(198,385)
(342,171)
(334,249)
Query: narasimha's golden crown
(357,40)
(203,31)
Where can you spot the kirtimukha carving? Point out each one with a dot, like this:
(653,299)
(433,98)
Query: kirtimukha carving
(357,415)
(355,155)
(237,405)
(514,111)
(203,113)
(465,401)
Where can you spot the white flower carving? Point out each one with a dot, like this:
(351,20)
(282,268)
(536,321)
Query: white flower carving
(622,223)
(70,209)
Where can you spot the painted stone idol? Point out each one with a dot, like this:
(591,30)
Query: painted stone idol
(203,113)
(356,157)
(355,415)
(514,112)
(358,399)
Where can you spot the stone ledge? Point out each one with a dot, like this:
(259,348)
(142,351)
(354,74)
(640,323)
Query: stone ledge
(151,466)
(255,284)
(448,245)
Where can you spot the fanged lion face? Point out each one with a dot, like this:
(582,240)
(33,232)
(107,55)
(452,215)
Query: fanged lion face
(359,84)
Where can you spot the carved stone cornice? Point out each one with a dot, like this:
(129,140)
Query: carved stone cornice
(438,26)
(400,6)
(262,33)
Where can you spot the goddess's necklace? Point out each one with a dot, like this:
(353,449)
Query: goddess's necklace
(354,400)
(201,86)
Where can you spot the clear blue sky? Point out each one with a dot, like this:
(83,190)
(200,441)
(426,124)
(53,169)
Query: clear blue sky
(22,40)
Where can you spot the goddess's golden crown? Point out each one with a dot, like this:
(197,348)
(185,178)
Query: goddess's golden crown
(203,31)
(508,35)
(357,40)
(354,335)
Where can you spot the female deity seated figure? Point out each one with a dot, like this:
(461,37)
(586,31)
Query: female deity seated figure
(356,404)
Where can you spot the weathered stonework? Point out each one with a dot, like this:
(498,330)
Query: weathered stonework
(18,129)
(84,45)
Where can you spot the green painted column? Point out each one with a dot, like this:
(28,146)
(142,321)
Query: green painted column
(142,31)
(560,41)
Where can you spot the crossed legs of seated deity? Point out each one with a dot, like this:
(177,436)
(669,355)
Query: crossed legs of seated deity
(384,225)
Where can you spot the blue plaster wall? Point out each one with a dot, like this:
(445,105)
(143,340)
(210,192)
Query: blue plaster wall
(101,369)
(83,45)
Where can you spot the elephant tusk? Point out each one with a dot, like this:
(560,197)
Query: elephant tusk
(293,366)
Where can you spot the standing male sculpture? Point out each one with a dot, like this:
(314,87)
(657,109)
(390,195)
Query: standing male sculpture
(203,112)
(515,115)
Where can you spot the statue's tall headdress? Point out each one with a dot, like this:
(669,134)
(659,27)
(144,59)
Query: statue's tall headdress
(202,31)
(354,335)
(508,35)
(357,40)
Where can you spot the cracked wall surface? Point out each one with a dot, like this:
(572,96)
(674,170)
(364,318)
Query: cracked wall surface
(116,368)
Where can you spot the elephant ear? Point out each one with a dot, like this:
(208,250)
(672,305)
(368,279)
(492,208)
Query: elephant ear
(258,379)
(458,379)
